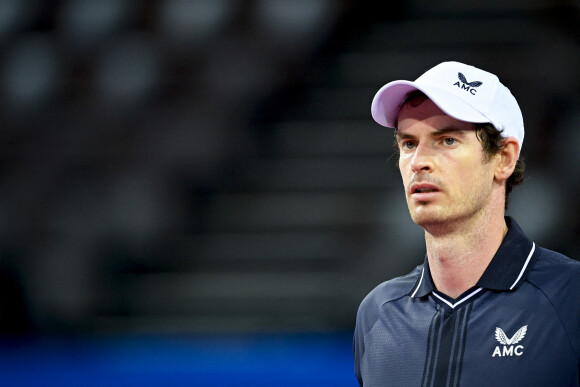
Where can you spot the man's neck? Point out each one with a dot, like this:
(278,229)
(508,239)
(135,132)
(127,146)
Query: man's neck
(459,255)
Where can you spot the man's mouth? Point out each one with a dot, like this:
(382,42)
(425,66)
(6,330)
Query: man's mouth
(422,190)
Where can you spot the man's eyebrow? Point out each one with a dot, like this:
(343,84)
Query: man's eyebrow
(401,136)
(448,129)
(438,132)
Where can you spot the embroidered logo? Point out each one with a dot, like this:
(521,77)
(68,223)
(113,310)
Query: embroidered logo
(470,87)
(509,345)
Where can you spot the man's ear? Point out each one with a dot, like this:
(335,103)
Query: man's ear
(507,159)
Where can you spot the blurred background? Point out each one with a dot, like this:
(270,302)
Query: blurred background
(193,192)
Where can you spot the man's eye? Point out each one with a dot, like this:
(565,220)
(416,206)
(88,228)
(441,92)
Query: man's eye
(408,145)
(449,141)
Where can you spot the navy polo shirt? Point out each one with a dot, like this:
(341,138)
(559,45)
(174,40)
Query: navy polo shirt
(518,326)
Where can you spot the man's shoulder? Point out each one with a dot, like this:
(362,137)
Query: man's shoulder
(556,276)
(554,270)
(391,290)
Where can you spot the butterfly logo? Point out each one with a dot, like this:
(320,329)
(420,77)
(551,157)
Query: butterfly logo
(516,338)
(464,80)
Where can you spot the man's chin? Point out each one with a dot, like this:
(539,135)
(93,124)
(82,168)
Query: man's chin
(424,217)
(437,222)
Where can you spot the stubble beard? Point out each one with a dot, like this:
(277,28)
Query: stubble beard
(445,218)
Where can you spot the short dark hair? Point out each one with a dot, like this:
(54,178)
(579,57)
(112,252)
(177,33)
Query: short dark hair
(491,141)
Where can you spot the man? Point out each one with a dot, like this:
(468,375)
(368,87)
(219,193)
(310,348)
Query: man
(488,307)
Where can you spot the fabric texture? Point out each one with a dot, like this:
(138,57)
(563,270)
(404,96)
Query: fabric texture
(519,326)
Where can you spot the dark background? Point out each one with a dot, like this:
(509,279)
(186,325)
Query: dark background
(210,167)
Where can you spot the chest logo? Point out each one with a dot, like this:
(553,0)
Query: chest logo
(509,346)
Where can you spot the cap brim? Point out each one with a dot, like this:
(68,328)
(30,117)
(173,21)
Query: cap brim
(389,99)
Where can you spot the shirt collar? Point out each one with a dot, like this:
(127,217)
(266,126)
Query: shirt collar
(507,270)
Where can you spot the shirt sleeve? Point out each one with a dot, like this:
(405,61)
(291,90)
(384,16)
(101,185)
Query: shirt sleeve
(358,349)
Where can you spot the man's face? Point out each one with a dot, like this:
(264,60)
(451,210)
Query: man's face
(444,171)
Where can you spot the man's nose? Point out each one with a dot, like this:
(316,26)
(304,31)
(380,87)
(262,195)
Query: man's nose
(422,159)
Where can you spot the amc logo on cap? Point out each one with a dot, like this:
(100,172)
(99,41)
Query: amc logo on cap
(470,87)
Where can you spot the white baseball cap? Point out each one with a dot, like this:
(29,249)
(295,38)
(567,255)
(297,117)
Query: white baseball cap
(463,92)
